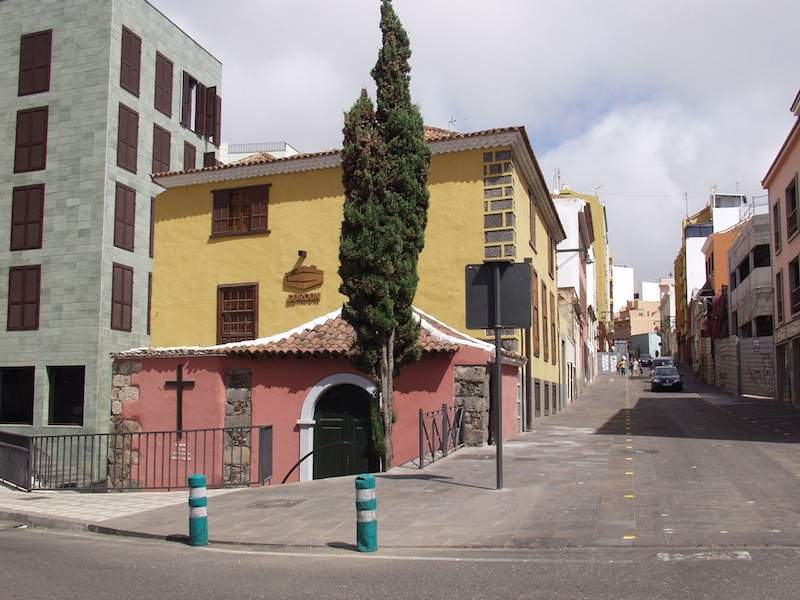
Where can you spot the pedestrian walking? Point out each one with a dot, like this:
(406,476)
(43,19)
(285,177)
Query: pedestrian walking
(635,369)
(622,366)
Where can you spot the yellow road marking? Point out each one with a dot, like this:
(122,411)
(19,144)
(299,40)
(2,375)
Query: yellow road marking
(628,472)
(628,537)
(628,458)
(629,496)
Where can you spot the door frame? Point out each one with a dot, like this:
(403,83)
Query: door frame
(306,421)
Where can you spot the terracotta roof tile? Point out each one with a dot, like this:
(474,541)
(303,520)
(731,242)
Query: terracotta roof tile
(432,134)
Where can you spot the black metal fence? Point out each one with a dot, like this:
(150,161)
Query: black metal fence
(137,460)
(440,432)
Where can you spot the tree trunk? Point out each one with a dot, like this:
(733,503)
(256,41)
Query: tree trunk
(387,394)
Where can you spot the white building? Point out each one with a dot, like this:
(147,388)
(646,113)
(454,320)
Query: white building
(622,283)
(651,291)
(667,309)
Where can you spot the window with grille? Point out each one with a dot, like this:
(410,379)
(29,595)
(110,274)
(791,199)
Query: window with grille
(34,62)
(131,61)
(240,211)
(24,287)
(237,313)
(27,214)
(30,148)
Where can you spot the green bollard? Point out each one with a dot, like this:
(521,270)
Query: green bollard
(198,511)
(366,520)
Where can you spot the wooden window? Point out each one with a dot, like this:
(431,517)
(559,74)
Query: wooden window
(149,299)
(553,338)
(24,286)
(791,208)
(27,217)
(34,62)
(209,159)
(776,224)
(199,108)
(152,226)
(121,297)
(216,134)
(189,157)
(535,316)
(240,211)
(127,139)
(131,63)
(163,95)
(124,217)
(237,313)
(30,149)
(161,149)
(213,117)
(551,256)
(545,329)
(532,240)
(779,294)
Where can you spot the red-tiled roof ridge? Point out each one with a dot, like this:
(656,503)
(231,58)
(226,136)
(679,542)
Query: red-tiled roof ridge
(432,134)
(328,335)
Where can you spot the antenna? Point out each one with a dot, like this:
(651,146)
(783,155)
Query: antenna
(737,187)
(686,202)
(451,123)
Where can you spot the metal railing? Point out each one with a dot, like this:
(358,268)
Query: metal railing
(440,432)
(138,460)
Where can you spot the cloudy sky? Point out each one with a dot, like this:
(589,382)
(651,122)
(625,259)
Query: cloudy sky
(643,99)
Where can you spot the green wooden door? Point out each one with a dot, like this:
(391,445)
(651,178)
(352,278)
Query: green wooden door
(343,433)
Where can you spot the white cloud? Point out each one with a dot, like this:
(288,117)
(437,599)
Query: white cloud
(661,95)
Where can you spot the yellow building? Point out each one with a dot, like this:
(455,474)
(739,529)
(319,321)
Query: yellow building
(602,257)
(250,249)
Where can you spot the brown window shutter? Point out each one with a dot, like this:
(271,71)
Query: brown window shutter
(30,147)
(186,100)
(34,62)
(209,159)
(210,96)
(24,288)
(27,214)
(127,298)
(219,223)
(200,109)
(161,150)
(128,139)
(217,136)
(125,217)
(152,225)
(189,157)
(163,88)
(121,297)
(131,61)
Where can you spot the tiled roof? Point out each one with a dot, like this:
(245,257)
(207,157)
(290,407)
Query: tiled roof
(327,336)
(432,134)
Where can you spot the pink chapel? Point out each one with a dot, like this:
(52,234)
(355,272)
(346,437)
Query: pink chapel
(248,412)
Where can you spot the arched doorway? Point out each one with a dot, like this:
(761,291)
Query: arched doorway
(343,433)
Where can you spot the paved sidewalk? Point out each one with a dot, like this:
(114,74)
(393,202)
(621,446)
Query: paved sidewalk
(620,467)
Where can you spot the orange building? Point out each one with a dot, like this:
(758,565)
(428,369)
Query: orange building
(716,250)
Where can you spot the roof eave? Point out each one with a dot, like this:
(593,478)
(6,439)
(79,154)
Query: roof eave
(787,143)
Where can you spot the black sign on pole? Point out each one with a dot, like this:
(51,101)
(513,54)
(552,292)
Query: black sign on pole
(498,297)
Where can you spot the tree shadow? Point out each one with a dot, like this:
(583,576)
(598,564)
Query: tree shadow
(433,479)
(688,417)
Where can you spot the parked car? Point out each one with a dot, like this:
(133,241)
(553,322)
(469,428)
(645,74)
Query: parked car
(666,378)
(663,361)
(645,360)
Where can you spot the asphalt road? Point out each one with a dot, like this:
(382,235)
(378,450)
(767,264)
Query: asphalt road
(38,564)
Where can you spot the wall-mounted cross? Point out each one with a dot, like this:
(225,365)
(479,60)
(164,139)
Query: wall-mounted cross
(179,385)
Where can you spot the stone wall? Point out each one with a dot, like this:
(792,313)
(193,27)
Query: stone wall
(121,458)
(471,390)
(238,413)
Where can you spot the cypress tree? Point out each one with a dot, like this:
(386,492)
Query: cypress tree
(385,163)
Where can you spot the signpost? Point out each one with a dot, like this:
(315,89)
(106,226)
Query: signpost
(498,297)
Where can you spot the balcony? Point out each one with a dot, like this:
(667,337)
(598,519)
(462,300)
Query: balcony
(758,279)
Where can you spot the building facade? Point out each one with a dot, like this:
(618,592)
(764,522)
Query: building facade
(783,182)
(221,278)
(667,311)
(95,95)
(636,318)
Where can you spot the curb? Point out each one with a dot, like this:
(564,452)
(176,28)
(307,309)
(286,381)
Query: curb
(45,521)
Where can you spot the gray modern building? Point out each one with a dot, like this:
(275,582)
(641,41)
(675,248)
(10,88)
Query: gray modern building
(95,95)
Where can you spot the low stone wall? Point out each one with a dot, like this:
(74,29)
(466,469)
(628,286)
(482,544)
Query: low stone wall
(120,459)
(471,390)
(238,413)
